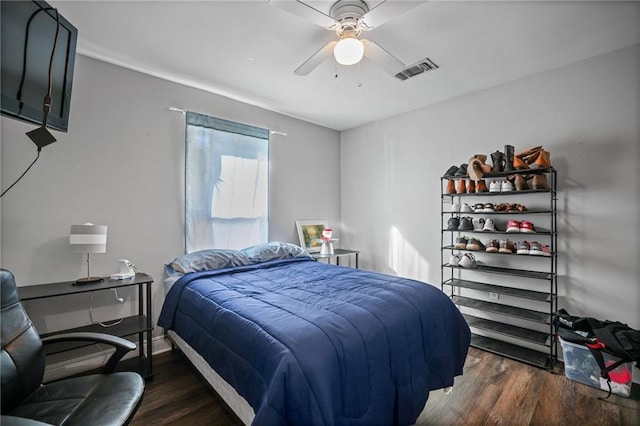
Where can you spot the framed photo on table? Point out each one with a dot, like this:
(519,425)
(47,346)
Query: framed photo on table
(310,234)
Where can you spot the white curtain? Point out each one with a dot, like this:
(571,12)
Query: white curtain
(226,184)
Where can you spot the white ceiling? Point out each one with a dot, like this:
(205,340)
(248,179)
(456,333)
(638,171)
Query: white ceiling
(247,50)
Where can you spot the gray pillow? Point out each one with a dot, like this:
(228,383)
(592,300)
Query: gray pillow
(206,260)
(273,251)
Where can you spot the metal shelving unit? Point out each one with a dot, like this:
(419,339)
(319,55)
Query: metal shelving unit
(509,299)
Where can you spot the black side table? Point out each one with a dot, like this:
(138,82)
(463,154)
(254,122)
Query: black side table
(140,324)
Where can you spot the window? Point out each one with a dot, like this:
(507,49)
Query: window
(226,184)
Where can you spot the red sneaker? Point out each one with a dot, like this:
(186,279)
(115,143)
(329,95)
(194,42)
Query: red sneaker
(527,227)
(513,226)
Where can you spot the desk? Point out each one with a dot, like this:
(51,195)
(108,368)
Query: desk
(337,254)
(140,324)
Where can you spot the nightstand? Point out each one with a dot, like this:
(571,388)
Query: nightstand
(140,324)
(337,254)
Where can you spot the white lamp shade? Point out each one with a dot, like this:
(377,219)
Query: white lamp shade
(88,238)
(348,51)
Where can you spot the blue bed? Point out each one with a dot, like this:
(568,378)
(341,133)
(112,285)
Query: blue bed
(309,343)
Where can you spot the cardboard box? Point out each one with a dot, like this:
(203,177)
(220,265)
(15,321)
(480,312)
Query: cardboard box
(581,366)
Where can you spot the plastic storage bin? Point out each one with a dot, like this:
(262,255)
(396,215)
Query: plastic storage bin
(581,366)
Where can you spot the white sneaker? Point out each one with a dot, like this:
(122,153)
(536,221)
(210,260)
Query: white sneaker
(455,207)
(478,224)
(466,208)
(506,186)
(495,186)
(454,260)
(489,225)
(468,261)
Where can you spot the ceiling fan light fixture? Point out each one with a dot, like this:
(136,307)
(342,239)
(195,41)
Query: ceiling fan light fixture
(348,51)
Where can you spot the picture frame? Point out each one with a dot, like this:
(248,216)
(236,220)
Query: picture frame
(310,233)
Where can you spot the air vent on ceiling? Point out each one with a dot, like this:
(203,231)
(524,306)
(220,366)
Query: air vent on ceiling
(424,65)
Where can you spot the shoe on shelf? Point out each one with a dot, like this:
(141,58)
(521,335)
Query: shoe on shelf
(521,183)
(535,249)
(451,171)
(502,207)
(527,227)
(489,225)
(546,250)
(523,247)
(539,182)
(519,208)
(454,259)
(506,186)
(513,226)
(462,170)
(461,243)
(453,223)
(471,186)
(519,163)
(478,224)
(478,207)
(506,246)
(451,187)
(492,246)
(455,207)
(498,162)
(461,187)
(489,208)
(543,161)
(466,208)
(475,245)
(481,186)
(495,186)
(508,158)
(468,261)
(466,224)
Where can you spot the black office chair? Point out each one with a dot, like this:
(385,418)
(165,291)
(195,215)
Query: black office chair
(99,399)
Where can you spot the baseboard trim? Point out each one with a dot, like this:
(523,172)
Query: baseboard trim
(81,363)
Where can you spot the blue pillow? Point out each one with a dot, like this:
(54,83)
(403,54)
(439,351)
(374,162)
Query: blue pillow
(273,251)
(206,260)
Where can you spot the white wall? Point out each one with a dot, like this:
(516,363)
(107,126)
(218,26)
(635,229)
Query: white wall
(122,164)
(586,114)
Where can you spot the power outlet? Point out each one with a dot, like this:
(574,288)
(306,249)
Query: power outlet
(494,296)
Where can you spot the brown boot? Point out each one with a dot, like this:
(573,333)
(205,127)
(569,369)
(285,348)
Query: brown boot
(462,187)
(543,161)
(471,186)
(519,164)
(481,186)
(521,183)
(540,182)
(451,187)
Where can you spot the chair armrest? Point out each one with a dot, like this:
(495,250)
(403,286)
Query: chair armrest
(20,421)
(121,345)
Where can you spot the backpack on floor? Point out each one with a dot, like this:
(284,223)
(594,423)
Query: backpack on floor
(611,337)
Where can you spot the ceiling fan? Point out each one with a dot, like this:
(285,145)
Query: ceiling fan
(349,19)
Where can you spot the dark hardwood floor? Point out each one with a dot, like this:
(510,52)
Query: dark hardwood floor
(492,391)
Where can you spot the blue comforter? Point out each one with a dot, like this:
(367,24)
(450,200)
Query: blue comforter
(308,343)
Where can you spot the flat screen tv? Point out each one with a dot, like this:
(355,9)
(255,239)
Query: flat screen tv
(35,22)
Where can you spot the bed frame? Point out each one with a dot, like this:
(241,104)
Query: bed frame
(233,399)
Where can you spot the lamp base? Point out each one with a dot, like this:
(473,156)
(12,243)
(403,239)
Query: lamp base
(88,280)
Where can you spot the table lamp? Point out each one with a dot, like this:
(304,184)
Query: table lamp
(88,238)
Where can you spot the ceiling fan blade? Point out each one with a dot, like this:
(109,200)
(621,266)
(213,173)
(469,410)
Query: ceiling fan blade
(385,11)
(382,58)
(306,11)
(316,59)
